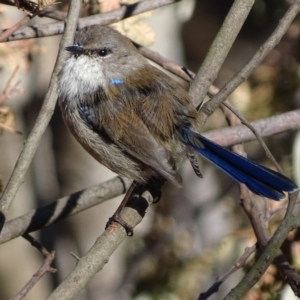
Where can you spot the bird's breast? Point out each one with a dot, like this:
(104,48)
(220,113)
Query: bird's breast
(80,76)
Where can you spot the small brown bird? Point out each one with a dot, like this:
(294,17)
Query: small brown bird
(137,121)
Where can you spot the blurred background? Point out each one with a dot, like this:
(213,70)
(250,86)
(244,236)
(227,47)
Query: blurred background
(194,234)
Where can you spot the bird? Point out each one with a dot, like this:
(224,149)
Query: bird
(138,122)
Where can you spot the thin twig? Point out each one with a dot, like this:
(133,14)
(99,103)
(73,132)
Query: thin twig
(113,16)
(45,267)
(8,90)
(53,14)
(164,62)
(219,49)
(258,223)
(238,265)
(12,90)
(283,207)
(9,81)
(268,255)
(42,121)
(259,138)
(209,107)
(248,203)
(8,32)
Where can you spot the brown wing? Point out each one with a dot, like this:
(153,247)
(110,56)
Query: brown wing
(130,133)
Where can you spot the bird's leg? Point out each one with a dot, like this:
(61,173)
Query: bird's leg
(116,217)
(137,189)
(154,187)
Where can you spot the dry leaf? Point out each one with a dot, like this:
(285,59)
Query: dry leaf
(7,119)
(33,7)
(137,29)
(108,5)
(18,53)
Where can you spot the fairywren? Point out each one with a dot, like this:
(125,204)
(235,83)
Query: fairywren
(138,122)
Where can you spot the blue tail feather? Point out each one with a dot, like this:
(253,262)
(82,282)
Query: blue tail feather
(259,179)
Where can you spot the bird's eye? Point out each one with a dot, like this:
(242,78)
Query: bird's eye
(104,51)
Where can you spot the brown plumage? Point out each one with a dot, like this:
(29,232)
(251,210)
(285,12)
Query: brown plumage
(131,130)
(137,121)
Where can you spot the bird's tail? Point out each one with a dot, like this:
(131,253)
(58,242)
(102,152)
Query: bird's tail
(259,179)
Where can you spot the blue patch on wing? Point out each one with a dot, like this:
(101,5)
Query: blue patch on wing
(84,110)
(116,81)
(88,116)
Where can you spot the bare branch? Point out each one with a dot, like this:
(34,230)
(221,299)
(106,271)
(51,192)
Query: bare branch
(238,265)
(62,208)
(268,255)
(259,138)
(35,11)
(209,107)
(116,15)
(95,259)
(219,49)
(45,267)
(42,121)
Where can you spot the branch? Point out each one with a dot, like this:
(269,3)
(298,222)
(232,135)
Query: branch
(62,208)
(95,259)
(248,204)
(258,137)
(252,209)
(45,267)
(238,265)
(265,127)
(289,223)
(113,16)
(42,121)
(53,14)
(219,49)
(30,15)
(209,107)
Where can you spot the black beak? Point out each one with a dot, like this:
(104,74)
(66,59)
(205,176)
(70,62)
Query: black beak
(76,49)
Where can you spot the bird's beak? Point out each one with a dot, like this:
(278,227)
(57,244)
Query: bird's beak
(76,49)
